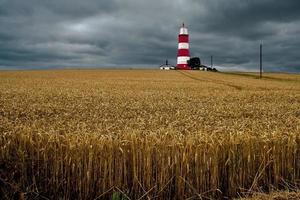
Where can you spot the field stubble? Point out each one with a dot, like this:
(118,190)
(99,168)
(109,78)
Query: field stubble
(86,134)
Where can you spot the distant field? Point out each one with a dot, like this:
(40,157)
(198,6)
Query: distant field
(147,134)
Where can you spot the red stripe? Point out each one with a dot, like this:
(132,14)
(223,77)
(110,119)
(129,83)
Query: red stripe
(183,52)
(183,38)
(183,66)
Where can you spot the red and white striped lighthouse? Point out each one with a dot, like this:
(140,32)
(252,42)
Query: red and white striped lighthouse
(183,48)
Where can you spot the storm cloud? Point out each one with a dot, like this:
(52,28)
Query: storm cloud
(37,34)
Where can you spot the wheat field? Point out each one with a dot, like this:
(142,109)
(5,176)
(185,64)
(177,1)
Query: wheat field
(147,134)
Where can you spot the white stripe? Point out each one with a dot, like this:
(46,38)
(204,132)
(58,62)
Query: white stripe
(183,45)
(182,59)
(183,30)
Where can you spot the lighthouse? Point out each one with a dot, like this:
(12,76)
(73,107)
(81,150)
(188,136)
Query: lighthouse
(183,48)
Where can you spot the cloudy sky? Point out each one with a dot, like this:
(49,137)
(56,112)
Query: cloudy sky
(41,34)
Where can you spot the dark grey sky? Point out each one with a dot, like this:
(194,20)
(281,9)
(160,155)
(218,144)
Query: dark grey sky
(119,33)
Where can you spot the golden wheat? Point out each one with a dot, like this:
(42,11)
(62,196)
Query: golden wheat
(89,134)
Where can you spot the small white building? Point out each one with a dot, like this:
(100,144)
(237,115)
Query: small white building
(167,67)
(203,68)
